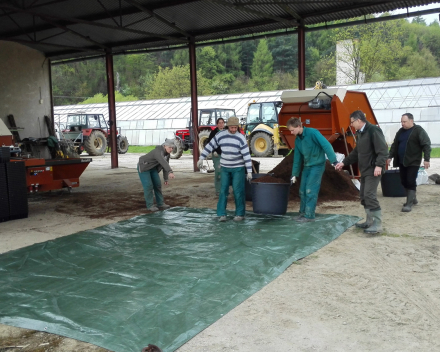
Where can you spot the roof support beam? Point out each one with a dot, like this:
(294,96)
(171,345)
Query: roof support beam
(103,15)
(32,43)
(95,24)
(74,33)
(111,108)
(159,18)
(287,22)
(291,12)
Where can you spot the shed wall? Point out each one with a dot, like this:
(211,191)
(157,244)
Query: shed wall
(24,88)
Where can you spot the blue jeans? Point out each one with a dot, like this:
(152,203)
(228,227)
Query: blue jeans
(236,177)
(151,183)
(309,189)
(217,175)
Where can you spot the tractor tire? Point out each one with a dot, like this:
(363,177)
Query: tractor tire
(262,144)
(122,144)
(96,144)
(203,140)
(177,150)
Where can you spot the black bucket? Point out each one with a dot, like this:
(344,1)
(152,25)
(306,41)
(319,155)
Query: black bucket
(391,184)
(248,186)
(270,198)
(256,166)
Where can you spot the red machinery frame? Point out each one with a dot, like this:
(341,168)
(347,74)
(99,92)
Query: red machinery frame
(51,174)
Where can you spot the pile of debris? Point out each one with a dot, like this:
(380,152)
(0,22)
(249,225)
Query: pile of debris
(335,185)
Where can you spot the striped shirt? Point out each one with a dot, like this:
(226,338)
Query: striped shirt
(235,151)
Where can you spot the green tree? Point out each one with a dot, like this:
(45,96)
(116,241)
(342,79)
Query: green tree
(175,83)
(419,65)
(325,70)
(130,71)
(247,55)
(262,67)
(180,58)
(419,20)
(368,49)
(208,63)
(284,50)
(229,56)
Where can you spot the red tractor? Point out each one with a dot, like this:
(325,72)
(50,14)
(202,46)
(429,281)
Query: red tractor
(207,122)
(91,133)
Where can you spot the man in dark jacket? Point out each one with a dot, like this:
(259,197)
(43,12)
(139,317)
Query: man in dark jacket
(409,143)
(371,154)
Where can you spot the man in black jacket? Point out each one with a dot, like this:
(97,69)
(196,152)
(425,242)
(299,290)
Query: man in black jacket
(409,143)
(370,153)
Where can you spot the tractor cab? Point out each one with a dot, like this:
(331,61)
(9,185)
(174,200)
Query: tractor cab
(261,120)
(208,122)
(208,117)
(79,122)
(262,113)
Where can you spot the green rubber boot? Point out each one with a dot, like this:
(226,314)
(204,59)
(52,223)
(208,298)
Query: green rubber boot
(376,226)
(409,201)
(368,222)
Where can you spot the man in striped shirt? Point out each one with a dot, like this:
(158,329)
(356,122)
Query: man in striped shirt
(235,159)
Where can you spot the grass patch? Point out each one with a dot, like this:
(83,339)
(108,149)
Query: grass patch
(146,149)
(140,149)
(435,153)
(387,234)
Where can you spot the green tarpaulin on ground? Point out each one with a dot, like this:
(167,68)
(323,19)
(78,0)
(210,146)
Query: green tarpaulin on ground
(160,278)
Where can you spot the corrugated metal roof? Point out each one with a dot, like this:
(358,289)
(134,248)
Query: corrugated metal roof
(64,29)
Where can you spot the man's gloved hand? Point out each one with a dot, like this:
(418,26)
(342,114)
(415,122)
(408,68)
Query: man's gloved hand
(249,176)
(200,164)
(292,180)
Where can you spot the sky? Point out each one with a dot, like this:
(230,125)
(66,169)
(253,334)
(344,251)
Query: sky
(428,18)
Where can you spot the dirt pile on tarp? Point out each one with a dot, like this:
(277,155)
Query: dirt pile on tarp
(335,185)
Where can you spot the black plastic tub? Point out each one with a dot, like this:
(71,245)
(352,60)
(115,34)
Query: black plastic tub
(391,184)
(270,198)
(248,186)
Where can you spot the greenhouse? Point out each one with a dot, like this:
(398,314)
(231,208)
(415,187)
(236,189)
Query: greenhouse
(149,122)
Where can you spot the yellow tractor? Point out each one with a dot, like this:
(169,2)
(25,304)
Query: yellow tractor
(261,129)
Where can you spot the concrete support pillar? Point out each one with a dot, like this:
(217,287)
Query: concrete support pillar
(111,108)
(194,105)
(301,58)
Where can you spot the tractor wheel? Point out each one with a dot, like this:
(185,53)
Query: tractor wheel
(203,140)
(262,144)
(122,144)
(177,150)
(96,143)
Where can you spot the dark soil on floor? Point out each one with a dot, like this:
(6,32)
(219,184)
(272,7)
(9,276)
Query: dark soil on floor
(335,185)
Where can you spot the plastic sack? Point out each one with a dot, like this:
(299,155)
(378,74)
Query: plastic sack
(339,157)
(422,177)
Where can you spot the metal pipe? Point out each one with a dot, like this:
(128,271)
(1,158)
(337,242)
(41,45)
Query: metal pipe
(301,58)
(111,107)
(346,148)
(194,105)
(51,94)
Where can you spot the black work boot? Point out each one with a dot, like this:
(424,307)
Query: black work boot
(409,201)
(376,226)
(368,222)
(415,201)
